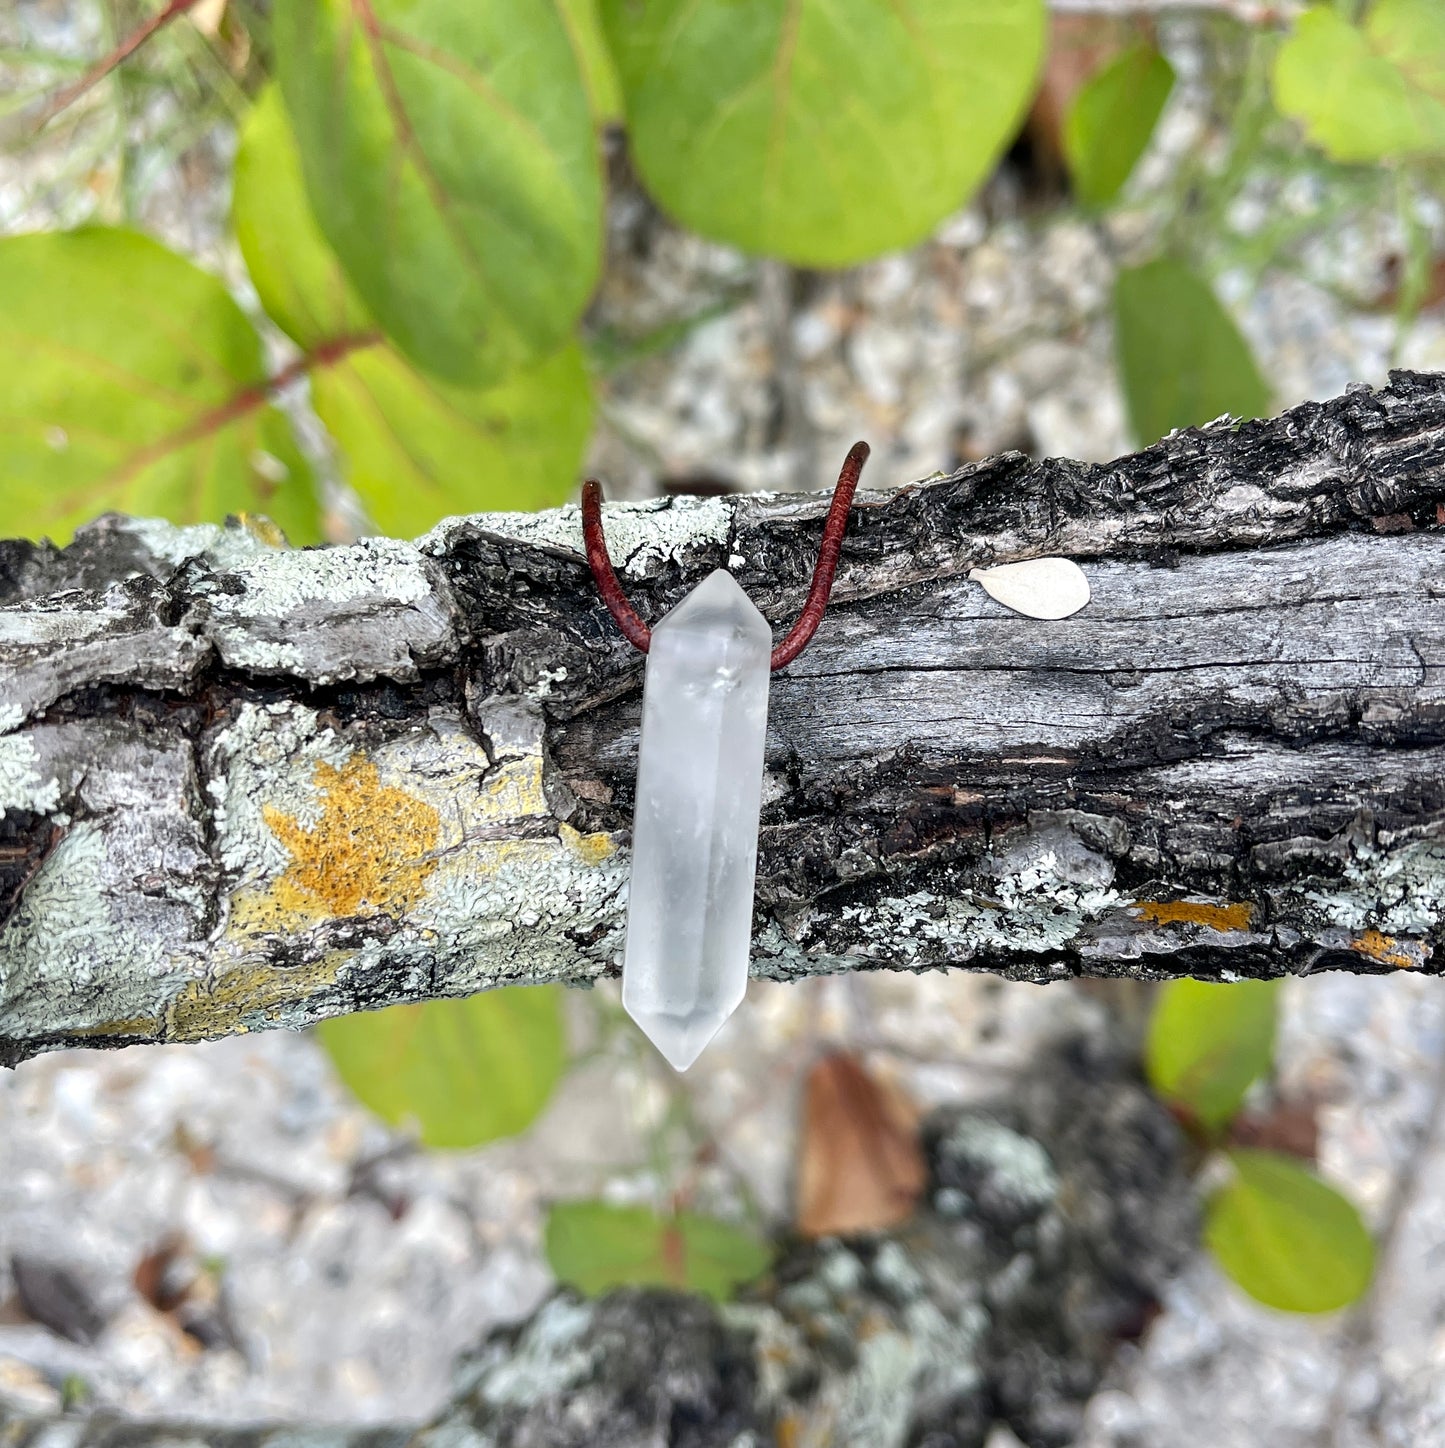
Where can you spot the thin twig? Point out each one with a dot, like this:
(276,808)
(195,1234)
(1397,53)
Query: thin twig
(68,95)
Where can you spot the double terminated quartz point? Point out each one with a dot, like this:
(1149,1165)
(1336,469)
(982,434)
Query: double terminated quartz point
(695,829)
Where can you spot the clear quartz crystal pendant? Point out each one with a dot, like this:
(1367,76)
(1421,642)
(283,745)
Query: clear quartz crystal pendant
(695,828)
(700,782)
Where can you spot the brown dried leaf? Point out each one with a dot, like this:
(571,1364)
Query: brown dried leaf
(1388,295)
(862,1168)
(1291,1127)
(165,1275)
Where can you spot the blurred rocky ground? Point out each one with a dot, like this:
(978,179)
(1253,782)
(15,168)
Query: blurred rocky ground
(219,1232)
(1049,1222)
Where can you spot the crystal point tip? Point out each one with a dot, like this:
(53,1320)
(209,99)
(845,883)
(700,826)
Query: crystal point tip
(680,1039)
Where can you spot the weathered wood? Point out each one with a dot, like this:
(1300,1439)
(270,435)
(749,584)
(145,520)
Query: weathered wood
(248,786)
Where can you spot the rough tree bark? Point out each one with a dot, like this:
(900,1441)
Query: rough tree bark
(248,786)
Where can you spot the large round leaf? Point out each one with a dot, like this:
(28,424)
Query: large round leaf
(451,160)
(297,275)
(413,447)
(1287,1238)
(1208,1044)
(821,131)
(462,1072)
(1182,361)
(1367,92)
(130,381)
(595,1246)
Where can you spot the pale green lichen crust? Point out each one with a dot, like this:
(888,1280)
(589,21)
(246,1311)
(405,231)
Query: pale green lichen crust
(640,536)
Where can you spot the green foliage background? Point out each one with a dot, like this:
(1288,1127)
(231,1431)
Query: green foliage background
(419,203)
(1289,1239)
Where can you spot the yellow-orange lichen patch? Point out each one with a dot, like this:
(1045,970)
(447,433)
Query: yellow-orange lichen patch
(514,790)
(219,1007)
(1197,912)
(370,852)
(142,1028)
(591,849)
(261,528)
(789,1431)
(1386,949)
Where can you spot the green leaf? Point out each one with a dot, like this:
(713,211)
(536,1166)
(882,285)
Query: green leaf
(452,162)
(130,381)
(1366,93)
(418,450)
(464,1071)
(296,274)
(1182,361)
(604,90)
(1111,119)
(1287,1238)
(821,131)
(1208,1044)
(595,1247)
(414,448)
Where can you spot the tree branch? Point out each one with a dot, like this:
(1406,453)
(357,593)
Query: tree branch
(245,786)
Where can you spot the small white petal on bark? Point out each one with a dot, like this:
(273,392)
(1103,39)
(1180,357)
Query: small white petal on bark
(1038,587)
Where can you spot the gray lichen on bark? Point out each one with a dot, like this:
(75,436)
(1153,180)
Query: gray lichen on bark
(246,786)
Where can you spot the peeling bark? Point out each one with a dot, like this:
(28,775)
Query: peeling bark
(246,786)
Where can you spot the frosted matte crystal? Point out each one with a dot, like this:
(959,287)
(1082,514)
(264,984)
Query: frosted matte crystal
(695,827)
